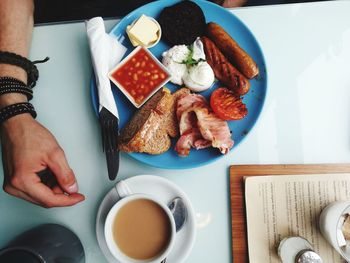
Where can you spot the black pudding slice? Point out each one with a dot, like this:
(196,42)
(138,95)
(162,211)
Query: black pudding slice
(182,23)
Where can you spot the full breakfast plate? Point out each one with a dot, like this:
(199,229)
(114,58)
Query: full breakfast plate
(253,99)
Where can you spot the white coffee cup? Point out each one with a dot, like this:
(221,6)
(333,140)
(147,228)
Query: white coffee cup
(126,197)
(330,225)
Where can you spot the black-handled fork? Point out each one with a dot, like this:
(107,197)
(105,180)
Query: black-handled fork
(110,133)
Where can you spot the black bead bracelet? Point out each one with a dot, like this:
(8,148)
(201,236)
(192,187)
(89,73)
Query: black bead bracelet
(15,109)
(12,85)
(11,80)
(23,91)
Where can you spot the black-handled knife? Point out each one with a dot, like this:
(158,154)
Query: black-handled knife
(110,134)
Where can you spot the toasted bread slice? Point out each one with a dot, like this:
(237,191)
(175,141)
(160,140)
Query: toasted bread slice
(159,143)
(146,131)
(171,122)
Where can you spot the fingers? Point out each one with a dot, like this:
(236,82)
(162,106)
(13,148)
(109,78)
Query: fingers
(57,190)
(30,188)
(52,198)
(64,175)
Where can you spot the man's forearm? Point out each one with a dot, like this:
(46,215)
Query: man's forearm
(16,26)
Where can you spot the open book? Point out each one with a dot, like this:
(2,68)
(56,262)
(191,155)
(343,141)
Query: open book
(289,205)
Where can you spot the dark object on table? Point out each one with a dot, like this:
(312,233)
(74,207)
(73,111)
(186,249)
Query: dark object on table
(47,177)
(110,134)
(54,11)
(48,243)
(182,23)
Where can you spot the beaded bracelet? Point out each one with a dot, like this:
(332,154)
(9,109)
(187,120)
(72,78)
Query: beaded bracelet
(15,109)
(26,64)
(24,91)
(10,80)
(12,85)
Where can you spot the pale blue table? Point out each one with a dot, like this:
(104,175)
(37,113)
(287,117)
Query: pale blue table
(306,119)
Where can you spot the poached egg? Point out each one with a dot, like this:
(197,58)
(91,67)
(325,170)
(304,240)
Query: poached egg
(197,75)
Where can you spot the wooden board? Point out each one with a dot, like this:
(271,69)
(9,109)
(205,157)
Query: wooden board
(237,172)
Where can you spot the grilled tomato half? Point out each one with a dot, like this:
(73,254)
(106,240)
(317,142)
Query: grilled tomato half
(227,105)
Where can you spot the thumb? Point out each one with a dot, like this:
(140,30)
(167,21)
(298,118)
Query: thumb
(63,173)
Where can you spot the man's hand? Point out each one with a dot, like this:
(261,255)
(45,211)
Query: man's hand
(28,148)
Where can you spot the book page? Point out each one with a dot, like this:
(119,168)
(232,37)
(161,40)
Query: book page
(290,205)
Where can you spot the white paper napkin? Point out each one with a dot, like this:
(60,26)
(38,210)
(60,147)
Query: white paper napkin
(106,52)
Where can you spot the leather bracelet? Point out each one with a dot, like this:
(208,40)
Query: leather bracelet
(12,85)
(26,64)
(16,109)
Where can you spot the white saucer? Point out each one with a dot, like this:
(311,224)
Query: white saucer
(165,190)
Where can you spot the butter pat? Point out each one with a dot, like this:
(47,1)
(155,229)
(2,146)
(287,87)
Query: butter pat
(133,40)
(143,32)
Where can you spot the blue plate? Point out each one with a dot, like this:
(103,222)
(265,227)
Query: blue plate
(254,99)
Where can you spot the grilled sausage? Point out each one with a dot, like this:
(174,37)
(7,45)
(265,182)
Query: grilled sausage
(223,69)
(230,48)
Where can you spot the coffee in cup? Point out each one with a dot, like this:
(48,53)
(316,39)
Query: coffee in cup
(139,228)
